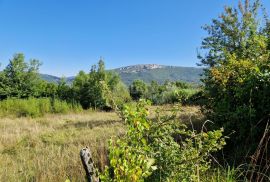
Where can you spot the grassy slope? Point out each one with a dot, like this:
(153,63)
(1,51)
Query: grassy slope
(47,148)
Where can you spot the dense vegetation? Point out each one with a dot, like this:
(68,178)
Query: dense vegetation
(160,149)
(20,80)
(235,100)
(98,89)
(237,82)
(35,107)
(167,93)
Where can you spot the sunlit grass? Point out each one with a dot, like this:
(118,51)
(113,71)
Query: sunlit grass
(47,148)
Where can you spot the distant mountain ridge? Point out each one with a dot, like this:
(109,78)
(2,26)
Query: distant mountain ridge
(147,73)
(138,68)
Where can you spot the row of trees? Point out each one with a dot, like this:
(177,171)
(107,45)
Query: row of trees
(97,89)
(21,79)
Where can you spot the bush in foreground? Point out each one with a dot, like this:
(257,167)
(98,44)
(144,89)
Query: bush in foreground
(160,149)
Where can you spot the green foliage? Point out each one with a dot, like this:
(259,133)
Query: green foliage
(129,158)
(160,149)
(99,89)
(184,95)
(237,32)
(120,94)
(167,93)
(64,91)
(173,73)
(35,107)
(20,79)
(237,78)
(49,89)
(223,175)
(137,89)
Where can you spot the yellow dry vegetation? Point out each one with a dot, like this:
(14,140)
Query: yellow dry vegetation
(47,148)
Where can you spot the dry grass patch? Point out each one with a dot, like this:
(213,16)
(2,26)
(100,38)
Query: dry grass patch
(47,148)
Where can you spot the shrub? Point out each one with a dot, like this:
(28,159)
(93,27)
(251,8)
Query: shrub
(238,99)
(183,95)
(34,107)
(236,77)
(160,149)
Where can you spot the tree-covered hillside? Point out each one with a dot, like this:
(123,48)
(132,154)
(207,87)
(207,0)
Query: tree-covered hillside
(148,73)
(161,74)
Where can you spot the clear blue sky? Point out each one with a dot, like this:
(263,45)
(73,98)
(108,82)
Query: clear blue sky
(71,35)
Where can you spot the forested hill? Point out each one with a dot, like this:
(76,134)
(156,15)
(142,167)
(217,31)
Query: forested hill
(159,73)
(149,72)
(55,79)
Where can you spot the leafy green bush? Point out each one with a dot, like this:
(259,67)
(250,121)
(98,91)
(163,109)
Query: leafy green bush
(34,107)
(160,149)
(167,93)
(236,77)
(183,95)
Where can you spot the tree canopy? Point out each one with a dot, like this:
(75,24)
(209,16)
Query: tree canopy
(20,78)
(237,75)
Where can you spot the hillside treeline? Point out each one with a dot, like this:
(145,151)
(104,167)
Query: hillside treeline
(97,89)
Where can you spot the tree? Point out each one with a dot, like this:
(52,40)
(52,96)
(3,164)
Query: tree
(100,88)
(154,92)
(48,89)
(236,32)
(138,89)
(96,88)
(78,84)
(237,76)
(20,79)
(64,91)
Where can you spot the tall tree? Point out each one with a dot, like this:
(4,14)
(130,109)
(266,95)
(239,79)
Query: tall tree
(236,76)
(100,88)
(237,32)
(19,78)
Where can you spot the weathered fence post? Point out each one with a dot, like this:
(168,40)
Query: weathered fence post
(88,165)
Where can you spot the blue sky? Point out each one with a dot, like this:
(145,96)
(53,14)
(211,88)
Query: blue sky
(71,35)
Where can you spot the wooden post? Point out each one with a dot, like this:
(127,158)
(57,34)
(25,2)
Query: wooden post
(88,165)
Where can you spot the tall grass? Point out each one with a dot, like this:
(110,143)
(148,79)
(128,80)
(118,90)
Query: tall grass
(35,107)
(47,148)
(221,174)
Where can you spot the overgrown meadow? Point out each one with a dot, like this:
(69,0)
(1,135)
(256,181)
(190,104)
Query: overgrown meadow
(217,130)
